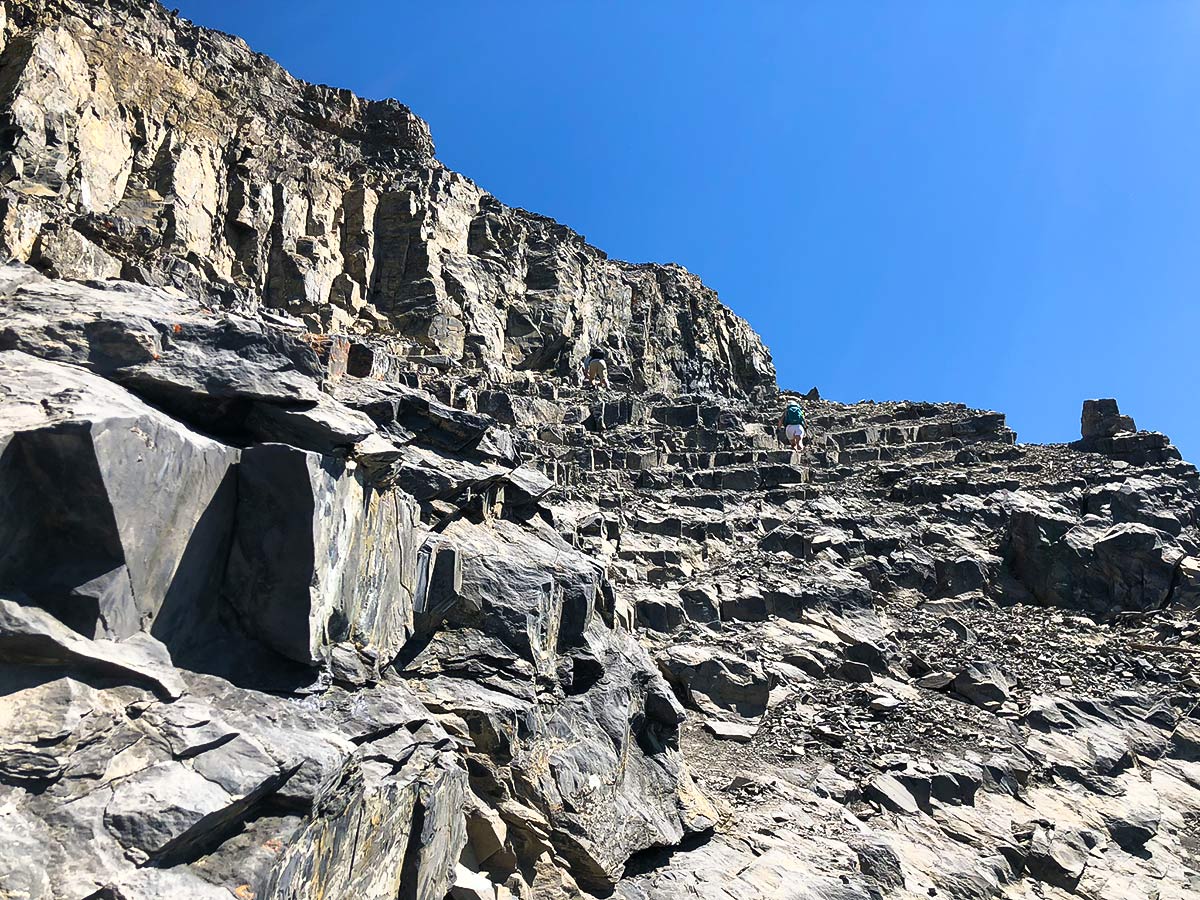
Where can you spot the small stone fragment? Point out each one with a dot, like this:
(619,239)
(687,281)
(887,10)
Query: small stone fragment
(729,731)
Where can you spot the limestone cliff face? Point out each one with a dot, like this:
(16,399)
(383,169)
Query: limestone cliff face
(139,146)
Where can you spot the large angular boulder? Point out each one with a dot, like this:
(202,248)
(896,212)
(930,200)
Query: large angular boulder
(1102,418)
(717,682)
(1133,566)
(566,711)
(166,347)
(320,556)
(1097,568)
(412,809)
(527,588)
(113,517)
(408,413)
(588,766)
(983,683)
(31,636)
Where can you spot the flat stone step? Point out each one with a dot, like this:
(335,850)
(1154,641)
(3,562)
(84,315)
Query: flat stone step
(707,439)
(751,478)
(653,555)
(695,529)
(700,501)
(932,489)
(595,458)
(726,458)
(687,415)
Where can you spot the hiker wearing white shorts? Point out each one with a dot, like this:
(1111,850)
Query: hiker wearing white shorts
(792,421)
(595,370)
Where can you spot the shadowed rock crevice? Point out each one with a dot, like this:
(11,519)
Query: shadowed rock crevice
(646,861)
(62,546)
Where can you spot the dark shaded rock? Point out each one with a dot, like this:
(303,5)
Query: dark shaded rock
(1127,566)
(326,427)
(79,459)
(711,680)
(1133,830)
(965,573)
(307,567)
(958,785)
(34,637)
(859,673)
(1102,418)
(660,612)
(879,862)
(701,603)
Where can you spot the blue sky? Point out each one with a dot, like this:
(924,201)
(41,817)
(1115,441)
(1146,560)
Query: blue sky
(993,203)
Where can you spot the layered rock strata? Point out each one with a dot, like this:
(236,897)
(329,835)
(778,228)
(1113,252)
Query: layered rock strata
(322,577)
(139,146)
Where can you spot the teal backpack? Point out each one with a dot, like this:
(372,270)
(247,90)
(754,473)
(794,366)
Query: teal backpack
(794,416)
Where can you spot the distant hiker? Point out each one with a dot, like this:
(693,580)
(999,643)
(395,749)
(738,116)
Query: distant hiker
(595,370)
(793,422)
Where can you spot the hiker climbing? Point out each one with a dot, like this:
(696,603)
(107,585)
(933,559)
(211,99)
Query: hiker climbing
(792,421)
(595,370)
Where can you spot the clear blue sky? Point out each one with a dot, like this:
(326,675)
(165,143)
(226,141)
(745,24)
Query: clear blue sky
(994,203)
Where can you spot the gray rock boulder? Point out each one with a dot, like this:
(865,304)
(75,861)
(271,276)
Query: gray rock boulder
(983,684)
(1102,418)
(716,682)
(115,518)
(202,365)
(320,556)
(1101,570)
(32,636)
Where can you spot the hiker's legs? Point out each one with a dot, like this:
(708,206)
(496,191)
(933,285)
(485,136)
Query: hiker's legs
(795,436)
(597,373)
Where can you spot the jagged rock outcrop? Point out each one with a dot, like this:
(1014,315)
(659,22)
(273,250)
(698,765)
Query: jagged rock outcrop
(280,558)
(139,146)
(321,576)
(1106,431)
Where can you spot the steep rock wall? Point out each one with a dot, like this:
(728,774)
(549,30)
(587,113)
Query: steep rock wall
(136,145)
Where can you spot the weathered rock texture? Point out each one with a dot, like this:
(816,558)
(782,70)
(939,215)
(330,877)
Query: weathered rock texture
(139,146)
(321,577)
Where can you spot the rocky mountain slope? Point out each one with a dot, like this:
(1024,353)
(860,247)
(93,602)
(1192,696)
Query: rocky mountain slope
(322,576)
(140,147)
